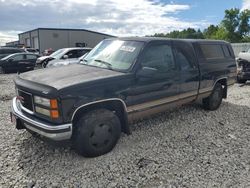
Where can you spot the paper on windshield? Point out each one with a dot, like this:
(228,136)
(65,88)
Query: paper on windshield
(127,48)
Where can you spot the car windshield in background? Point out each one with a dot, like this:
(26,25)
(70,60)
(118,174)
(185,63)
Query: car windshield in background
(114,54)
(7,57)
(57,54)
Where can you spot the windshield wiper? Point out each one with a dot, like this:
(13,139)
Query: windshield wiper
(109,65)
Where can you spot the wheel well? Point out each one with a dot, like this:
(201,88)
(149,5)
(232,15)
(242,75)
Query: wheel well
(115,106)
(223,82)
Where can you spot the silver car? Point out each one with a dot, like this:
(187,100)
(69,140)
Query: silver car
(64,54)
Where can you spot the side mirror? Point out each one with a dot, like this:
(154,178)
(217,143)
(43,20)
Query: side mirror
(147,72)
(10,60)
(65,57)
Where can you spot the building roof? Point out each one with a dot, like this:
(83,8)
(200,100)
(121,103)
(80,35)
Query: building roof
(66,29)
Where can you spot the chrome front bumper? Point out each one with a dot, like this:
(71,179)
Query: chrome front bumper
(51,131)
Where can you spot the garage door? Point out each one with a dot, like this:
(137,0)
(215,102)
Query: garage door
(35,43)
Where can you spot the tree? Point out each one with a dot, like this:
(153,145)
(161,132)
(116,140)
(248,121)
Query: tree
(189,33)
(236,24)
(220,34)
(210,32)
(234,27)
(244,26)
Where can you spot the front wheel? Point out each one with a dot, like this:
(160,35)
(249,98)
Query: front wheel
(214,100)
(96,133)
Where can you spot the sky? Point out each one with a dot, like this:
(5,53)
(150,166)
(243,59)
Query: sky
(114,17)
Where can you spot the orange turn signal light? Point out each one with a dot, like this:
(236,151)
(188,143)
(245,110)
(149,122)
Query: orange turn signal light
(54,114)
(53,103)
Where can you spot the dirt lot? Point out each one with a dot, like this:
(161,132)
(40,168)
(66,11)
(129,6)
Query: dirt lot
(186,147)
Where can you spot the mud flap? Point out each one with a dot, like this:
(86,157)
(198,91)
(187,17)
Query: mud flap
(17,121)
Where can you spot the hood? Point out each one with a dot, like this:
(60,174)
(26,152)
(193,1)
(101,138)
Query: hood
(65,76)
(41,59)
(60,62)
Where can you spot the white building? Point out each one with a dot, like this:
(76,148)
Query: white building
(55,38)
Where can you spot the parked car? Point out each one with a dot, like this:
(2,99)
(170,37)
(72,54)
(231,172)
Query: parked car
(61,54)
(5,51)
(68,61)
(243,67)
(119,81)
(32,50)
(18,62)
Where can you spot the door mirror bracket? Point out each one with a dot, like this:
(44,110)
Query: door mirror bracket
(147,72)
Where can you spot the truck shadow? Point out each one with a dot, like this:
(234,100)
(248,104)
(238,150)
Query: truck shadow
(245,84)
(176,126)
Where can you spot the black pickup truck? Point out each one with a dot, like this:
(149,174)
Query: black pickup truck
(119,81)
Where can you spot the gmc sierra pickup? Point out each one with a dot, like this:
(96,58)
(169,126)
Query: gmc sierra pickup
(119,81)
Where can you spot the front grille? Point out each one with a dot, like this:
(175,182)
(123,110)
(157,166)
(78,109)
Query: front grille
(27,100)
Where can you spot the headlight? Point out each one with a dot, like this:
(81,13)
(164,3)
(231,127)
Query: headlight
(38,61)
(50,107)
(42,111)
(42,101)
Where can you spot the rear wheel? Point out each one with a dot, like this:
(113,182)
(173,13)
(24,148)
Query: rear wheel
(214,100)
(96,133)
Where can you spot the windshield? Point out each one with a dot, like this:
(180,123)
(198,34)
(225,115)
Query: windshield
(114,54)
(7,57)
(58,53)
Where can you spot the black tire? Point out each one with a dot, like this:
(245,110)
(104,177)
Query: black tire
(214,100)
(44,65)
(96,133)
(241,81)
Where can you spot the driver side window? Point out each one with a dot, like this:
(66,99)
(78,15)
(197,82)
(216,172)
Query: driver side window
(17,57)
(72,54)
(159,57)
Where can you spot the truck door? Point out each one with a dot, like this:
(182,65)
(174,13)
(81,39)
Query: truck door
(157,77)
(189,73)
(13,62)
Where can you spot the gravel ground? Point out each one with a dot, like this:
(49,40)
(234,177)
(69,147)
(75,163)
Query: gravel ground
(186,147)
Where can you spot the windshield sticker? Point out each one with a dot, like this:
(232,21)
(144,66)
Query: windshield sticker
(127,48)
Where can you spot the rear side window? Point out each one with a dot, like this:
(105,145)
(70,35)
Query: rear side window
(30,56)
(226,51)
(212,51)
